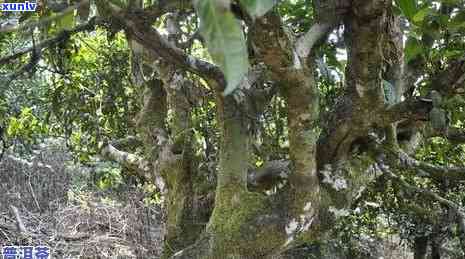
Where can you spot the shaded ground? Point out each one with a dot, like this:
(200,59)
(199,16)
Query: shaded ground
(57,205)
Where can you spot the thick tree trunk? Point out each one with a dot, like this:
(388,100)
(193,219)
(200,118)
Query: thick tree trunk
(435,250)
(187,201)
(246,224)
(420,248)
(165,123)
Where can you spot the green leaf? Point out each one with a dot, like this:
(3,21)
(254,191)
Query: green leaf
(413,48)
(257,8)
(453,53)
(120,3)
(224,39)
(457,23)
(408,7)
(420,16)
(451,2)
(66,22)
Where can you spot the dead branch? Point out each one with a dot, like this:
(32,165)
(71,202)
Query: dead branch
(128,142)
(19,222)
(424,169)
(78,237)
(43,21)
(62,36)
(28,164)
(152,40)
(305,43)
(132,161)
(449,204)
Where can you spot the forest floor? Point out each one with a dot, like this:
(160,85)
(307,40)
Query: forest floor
(48,202)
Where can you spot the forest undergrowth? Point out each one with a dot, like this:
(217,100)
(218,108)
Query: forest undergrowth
(48,200)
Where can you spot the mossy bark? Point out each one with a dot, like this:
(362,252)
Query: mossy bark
(185,212)
(233,228)
(247,224)
(172,158)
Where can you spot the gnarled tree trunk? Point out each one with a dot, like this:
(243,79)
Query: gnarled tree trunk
(322,177)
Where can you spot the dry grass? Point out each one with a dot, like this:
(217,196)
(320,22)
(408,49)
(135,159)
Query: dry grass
(74,222)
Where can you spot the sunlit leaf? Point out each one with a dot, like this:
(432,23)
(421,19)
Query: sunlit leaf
(458,21)
(225,40)
(257,8)
(120,3)
(408,7)
(413,48)
(420,16)
(66,22)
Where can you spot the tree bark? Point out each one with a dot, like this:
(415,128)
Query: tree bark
(420,248)
(435,250)
(324,178)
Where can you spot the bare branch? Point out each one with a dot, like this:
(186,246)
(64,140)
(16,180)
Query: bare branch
(152,40)
(445,202)
(456,135)
(402,161)
(141,166)
(411,109)
(77,237)
(141,31)
(437,172)
(62,36)
(19,222)
(28,164)
(128,160)
(43,21)
(305,43)
(128,142)
(453,134)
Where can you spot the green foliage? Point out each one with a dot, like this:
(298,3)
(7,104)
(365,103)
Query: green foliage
(420,16)
(436,30)
(298,14)
(408,7)
(413,49)
(26,126)
(108,176)
(257,8)
(225,40)
(438,151)
(66,22)
(88,97)
(91,96)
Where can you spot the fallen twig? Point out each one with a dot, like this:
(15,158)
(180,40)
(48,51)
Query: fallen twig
(19,222)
